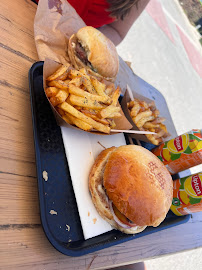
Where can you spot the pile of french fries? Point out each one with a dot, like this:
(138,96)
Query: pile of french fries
(82,100)
(146,117)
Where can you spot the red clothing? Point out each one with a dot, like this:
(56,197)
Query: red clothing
(93,12)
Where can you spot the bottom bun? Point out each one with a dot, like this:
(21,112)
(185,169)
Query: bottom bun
(99,196)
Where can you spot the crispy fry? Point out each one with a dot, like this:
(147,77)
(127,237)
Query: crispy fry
(79,123)
(73,73)
(155,141)
(54,101)
(67,81)
(158,120)
(58,72)
(115,96)
(93,116)
(146,117)
(142,115)
(110,89)
(152,106)
(76,81)
(85,102)
(51,91)
(67,119)
(84,72)
(160,133)
(156,113)
(62,95)
(112,111)
(70,109)
(88,85)
(68,100)
(135,109)
(115,115)
(111,123)
(88,111)
(60,111)
(131,104)
(63,76)
(143,120)
(79,92)
(99,87)
(152,129)
(162,126)
(109,111)
(79,108)
(144,105)
(149,125)
(59,98)
(59,84)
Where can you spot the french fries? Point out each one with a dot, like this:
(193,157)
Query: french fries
(99,87)
(81,93)
(82,100)
(112,111)
(109,111)
(88,85)
(85,102)
(77,122)
(71,110)
(59,72)
(60,97)
(146,117)
(58,84)
(110,89)
(51,91)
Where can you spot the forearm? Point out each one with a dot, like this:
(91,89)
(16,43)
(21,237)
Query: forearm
(111,33)
(117,30)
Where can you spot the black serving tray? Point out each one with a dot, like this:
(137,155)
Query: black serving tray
(57,193)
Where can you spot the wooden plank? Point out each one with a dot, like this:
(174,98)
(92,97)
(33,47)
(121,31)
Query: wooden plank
(12,165)
(14,71)
(16,114)
(17,147)
(19,199)
(16,28)
(39,254)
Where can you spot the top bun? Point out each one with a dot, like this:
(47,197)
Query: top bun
(101,53)
(138,184)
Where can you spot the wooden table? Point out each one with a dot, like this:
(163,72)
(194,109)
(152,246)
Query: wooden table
(23,244)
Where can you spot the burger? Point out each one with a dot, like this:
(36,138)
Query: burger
(130,188)
(90,49)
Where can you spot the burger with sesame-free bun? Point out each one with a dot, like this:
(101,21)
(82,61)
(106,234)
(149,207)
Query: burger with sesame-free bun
(130,188)
(90,49)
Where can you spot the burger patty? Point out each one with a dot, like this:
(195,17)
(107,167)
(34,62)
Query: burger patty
(82,55)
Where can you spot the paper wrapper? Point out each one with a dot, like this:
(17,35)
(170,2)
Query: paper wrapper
(126,98)
(49,68)
(55,22)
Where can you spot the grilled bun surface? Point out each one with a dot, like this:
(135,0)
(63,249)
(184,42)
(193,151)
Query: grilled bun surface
(99,196)
(91,49)
(136,182)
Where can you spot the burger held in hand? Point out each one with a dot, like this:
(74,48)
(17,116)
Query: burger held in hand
(130,188)
(91,49)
